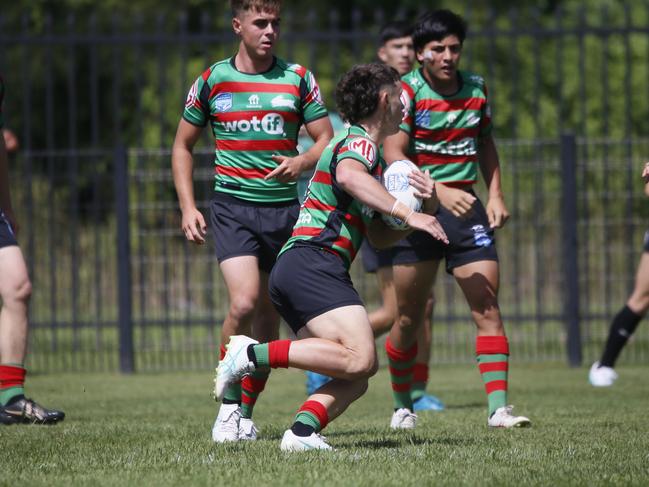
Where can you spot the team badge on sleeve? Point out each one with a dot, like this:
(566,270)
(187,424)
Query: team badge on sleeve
(364,148)
(315,94)
(192,95)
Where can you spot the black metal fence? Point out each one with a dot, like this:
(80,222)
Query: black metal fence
(95,107)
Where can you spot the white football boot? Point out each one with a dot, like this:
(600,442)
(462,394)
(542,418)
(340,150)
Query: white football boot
(234,365)
(403,419)
(601,376)
(503,418)
(292,442)
(226,426)
(247,430)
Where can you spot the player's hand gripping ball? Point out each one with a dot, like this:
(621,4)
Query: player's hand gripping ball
(395,180)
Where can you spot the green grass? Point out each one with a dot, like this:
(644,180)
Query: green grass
(154,429)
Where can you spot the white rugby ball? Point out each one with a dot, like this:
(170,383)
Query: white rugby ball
(395,180)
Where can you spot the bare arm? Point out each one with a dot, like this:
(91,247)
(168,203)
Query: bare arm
(490,167)
(355,180)
(290,168)
(182,166)
(645,176)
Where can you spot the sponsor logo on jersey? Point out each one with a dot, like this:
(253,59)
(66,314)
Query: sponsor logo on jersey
(480,236)
(192,95)
(271,123)
(223,102)
(464,147)
(303,219)
(472,120)
(365,148)
(253,102)
(451,117)
(280,102)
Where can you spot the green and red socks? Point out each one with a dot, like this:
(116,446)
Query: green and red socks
(12,380)
(402,366)
(311,418)
(272,354)
(419,381)
(251,386)
(492,353)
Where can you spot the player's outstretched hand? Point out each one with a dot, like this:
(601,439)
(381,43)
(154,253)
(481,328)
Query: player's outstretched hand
(428,224)
(457,201)
(645,176)
(193,225)
(497,212)
(289,169)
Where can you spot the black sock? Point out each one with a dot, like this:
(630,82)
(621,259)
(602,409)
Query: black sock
(251,355)
(623,326)
(301,429)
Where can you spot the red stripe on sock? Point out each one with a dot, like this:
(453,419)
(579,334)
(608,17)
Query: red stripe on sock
(11,376)
(496,385)
(493,367)
(278,353)
(400,372)
(491,345)
(252,384)
(400,355)
(401,387)
(222,351)
(420,373)
(318,410)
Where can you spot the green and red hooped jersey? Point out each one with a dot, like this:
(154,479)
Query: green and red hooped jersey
(445,130)
(254,116)
(329,217)
(2,95)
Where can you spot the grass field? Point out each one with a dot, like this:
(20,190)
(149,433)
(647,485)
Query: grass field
(154,429)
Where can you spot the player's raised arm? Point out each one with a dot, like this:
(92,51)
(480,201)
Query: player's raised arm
(182,164)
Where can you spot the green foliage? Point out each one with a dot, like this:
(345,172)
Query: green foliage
(155,430)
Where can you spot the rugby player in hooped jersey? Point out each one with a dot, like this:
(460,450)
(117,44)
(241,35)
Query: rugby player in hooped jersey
(447,131)
(255,104)
(310,283)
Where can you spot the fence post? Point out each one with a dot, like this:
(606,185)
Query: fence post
(569,247)
(124,287)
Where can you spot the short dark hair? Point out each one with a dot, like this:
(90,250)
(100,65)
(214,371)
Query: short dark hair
(238,6)
(394,30)
(357,92)
(436,25)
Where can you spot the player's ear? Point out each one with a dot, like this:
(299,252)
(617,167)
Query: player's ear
(382,55)
(236,25)
(421,55)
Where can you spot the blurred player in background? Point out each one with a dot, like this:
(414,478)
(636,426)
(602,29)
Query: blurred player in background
(15,291)
(447,131)
(310,283)
(255,104)
(602,373)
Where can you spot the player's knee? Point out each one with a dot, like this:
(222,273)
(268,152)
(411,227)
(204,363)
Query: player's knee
(242,306)
(363,366)
(639,301)
(18,293)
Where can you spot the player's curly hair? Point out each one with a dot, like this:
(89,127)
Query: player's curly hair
(238,6)
(436,25)
(357,92)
